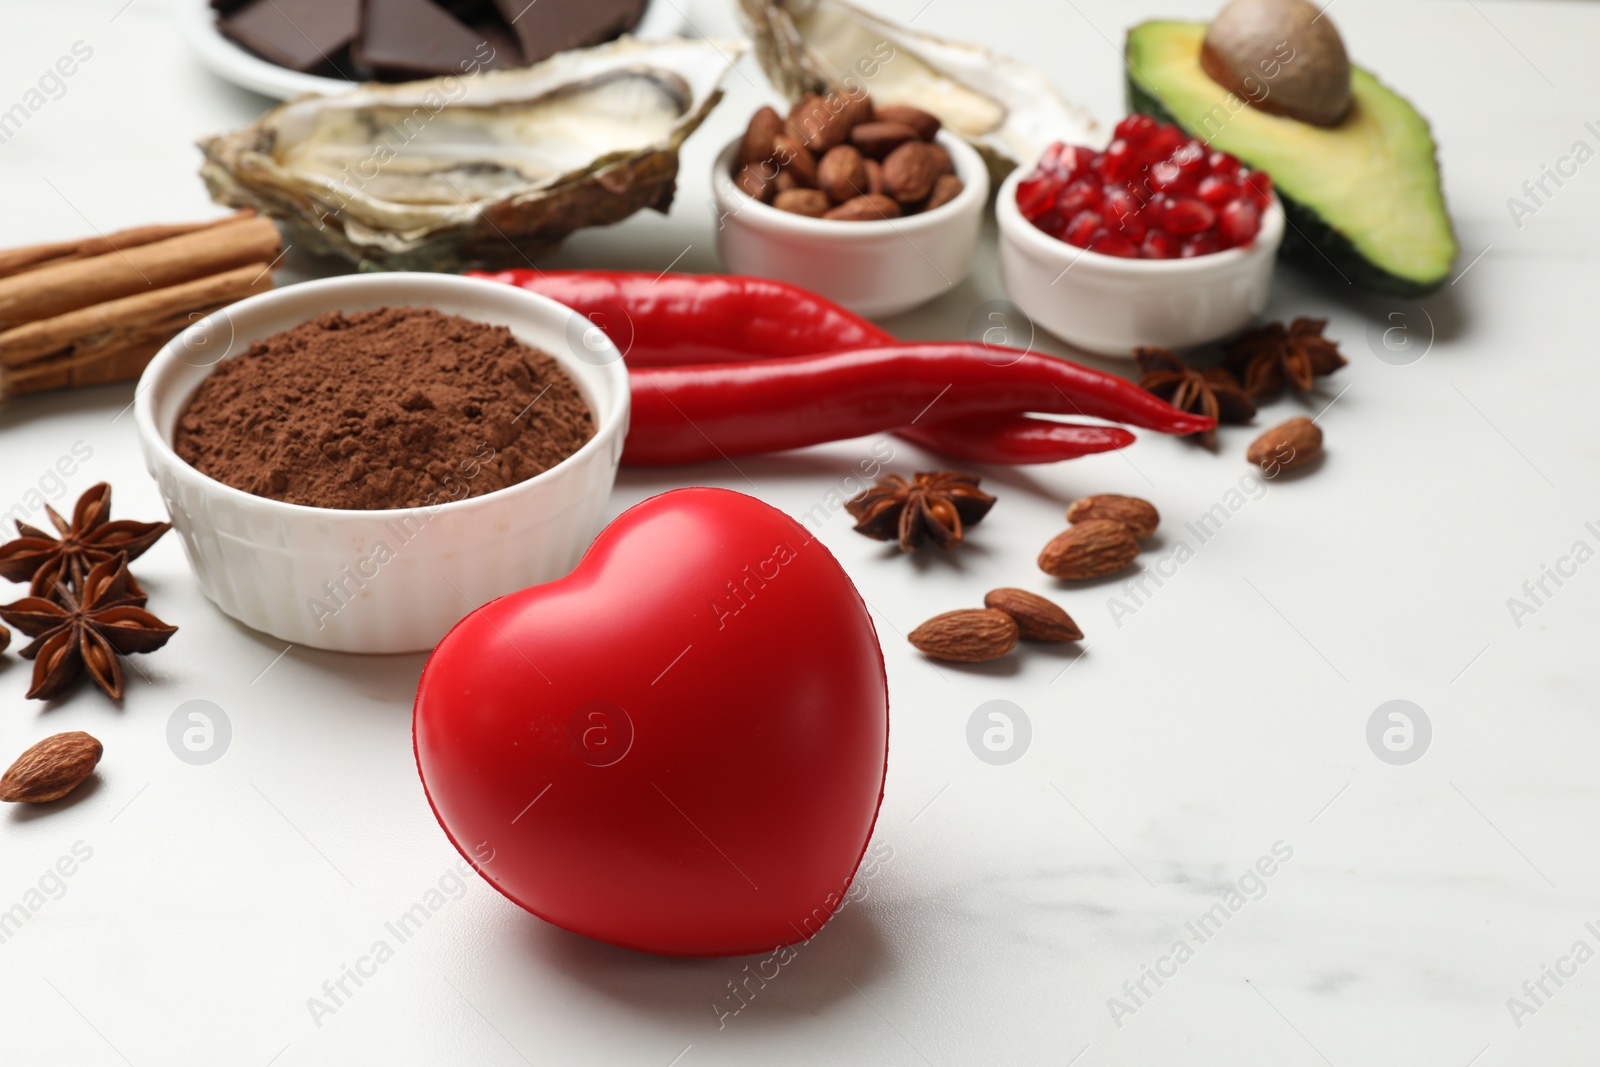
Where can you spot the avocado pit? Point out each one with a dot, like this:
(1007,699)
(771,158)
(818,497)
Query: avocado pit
(1284,57)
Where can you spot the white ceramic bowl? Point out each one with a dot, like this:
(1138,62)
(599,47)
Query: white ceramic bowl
(225,58)
(317,576)
(872,268)
(1110,305)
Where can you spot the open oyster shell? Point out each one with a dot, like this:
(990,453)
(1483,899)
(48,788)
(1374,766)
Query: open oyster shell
(483,170)
(1007,111)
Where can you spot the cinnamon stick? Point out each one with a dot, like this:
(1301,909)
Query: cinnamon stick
(63,287)
(32,257)
(155,315)
(116,365)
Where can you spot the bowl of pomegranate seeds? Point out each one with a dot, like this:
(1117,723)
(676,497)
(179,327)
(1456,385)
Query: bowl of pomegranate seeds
(1155,239)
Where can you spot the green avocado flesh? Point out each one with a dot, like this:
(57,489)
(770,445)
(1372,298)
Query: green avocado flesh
(1363,196)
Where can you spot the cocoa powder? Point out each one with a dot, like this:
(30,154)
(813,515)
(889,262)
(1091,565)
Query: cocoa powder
(389,408)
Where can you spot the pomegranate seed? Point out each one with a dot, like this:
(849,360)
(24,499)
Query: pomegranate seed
(1081,195)
(1186,215)
(1075,162)
(1158,244)
(1081,230)
(1114,244)
(1201,244)
(1162,144)
(1222,164)
(1167,177)
(1238,223)
(1117,162)
(1259,185)
(1035,195)
(1051,222)
(1135,129)
(1051,158)
(1191,159)
(1217,191)
(1118,203)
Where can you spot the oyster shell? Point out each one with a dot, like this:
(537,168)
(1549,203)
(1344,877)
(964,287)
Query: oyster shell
(482,170)
(1006,110)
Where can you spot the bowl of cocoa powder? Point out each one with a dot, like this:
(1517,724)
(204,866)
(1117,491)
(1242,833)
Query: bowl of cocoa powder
(356,463)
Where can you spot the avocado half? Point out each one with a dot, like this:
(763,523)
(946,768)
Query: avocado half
(1363,195)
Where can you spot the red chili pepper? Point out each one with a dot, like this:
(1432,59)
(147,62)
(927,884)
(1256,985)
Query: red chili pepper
(688,414)
(670,319)
(1014,439)
(677,319)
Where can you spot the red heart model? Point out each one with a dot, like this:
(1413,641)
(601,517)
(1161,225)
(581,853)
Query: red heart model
(679,747)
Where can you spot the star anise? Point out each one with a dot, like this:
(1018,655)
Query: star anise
(46,562)
(1212,392)
(936,505)
(87,629)
(1271,356)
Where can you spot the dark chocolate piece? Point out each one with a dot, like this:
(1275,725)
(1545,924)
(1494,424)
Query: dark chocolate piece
(299,34)
(503,52)
(415,38)
(545,27)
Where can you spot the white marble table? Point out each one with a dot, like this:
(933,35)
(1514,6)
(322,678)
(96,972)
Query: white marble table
(1221,721)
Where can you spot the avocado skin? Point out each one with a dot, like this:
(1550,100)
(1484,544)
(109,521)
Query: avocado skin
(1309,241)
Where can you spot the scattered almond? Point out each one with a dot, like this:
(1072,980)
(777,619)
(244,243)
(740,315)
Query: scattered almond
(926,125)
(865,209)
(910,171)
(51,769)
(842,174)
(811,202)
(970,635)
(1037,619)
(877,139)
(1139,516)
(1091,549)
(1286,446)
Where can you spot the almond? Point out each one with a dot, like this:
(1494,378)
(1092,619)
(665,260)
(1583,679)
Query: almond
(792,157)
(755,180)
(756,145)
(784,181)
(877,139)
(1139,516)
(874,176)
(946,187)
(910,171)
(1286,446)
(926,124)
(971,635)
(810,202)
(842,173)
(1037,619)
(819,123)
(51,769)
(870,208)
(857,106)
(1090,549)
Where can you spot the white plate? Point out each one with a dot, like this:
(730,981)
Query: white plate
(226,59)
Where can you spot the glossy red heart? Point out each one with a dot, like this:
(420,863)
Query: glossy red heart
(680,746)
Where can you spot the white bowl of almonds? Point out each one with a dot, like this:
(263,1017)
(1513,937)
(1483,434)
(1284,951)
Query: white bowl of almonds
(876,210)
